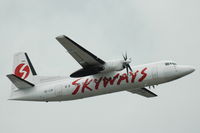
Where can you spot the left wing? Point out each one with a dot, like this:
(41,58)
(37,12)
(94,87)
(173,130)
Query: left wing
(91,64)
(143,92)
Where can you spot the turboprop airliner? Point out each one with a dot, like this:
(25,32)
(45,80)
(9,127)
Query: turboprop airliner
(96,77)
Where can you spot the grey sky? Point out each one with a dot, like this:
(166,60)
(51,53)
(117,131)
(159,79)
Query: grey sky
(148,30)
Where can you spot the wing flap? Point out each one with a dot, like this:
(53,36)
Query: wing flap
(143,92)
(19,83)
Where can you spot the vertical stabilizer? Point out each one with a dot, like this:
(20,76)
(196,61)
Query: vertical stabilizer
(23,68)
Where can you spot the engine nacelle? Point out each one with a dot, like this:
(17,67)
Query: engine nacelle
(116,65)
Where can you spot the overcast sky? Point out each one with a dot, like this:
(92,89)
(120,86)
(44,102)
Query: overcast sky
(148,30)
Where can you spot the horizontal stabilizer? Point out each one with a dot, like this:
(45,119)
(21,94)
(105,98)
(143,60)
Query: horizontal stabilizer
(143,92)
(19,83)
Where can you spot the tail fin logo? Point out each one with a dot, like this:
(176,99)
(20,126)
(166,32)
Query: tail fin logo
(22,71)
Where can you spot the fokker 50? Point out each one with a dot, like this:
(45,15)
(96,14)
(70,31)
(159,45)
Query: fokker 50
(96,77)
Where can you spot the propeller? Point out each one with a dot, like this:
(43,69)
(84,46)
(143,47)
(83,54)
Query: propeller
(126,63)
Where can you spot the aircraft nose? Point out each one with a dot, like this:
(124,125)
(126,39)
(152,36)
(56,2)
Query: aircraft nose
(185,70)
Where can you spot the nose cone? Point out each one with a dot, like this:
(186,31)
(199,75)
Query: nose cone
(184,70)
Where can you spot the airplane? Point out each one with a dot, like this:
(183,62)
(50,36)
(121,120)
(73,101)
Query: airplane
(96,77)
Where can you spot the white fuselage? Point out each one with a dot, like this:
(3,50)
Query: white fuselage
(103,83)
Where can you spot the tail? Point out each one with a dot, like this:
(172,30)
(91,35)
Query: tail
(23,71)
(22,67)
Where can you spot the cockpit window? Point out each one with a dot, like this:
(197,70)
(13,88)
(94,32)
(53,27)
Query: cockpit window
(170,63)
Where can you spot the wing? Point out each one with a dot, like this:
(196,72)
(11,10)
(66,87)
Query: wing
(85,58)
(91,64)
(143,92)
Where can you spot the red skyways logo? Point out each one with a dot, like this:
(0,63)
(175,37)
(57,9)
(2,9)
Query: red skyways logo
(22,71)
(105,81)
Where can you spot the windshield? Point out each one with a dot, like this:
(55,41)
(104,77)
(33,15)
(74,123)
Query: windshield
(169,63)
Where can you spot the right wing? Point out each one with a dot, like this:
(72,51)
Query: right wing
(19,83)
(143,92)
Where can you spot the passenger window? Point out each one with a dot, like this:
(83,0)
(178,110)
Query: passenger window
(167,64)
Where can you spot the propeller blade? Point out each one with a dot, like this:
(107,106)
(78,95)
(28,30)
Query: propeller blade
(125,55)
(130,59)
(127,70)
(129,67)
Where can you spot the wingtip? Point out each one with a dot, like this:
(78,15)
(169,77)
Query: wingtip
(60,36)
